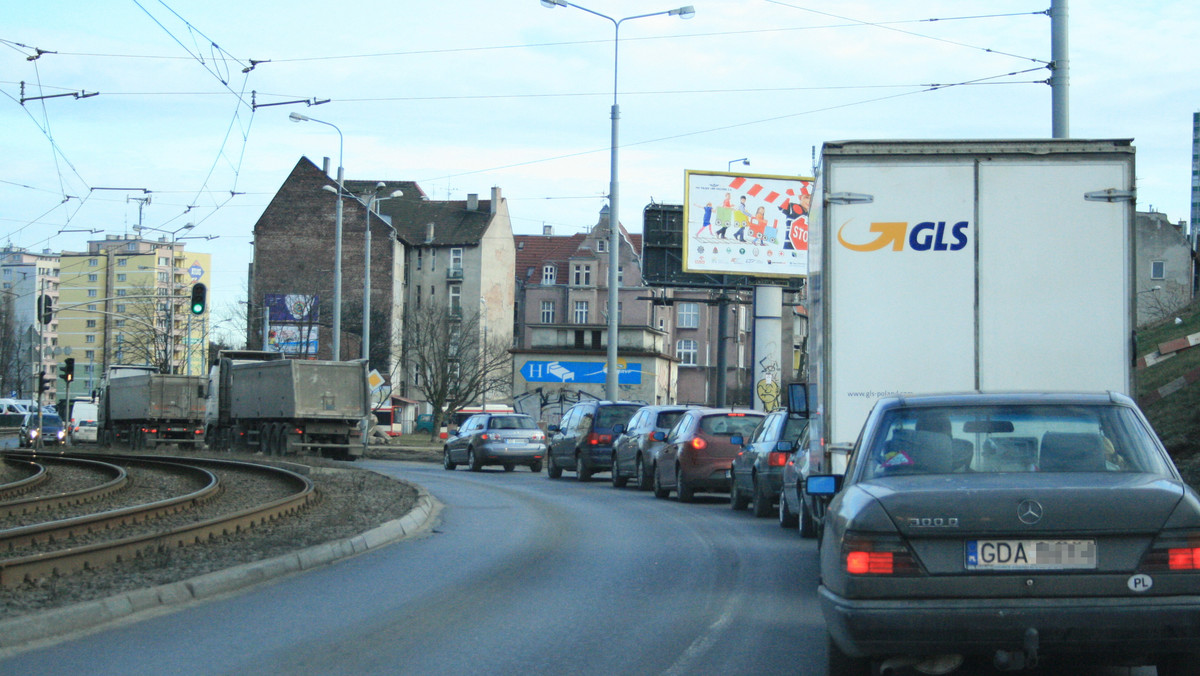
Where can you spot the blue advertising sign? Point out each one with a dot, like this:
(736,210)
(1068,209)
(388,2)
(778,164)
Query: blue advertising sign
(292,307)
(579,372)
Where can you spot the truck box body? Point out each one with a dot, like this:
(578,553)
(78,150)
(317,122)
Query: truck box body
(155,397)
(297,389)
(951,266)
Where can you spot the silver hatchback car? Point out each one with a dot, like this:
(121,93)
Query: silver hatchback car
(507,439)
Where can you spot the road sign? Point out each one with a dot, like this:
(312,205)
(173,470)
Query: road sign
(375,380)
(579,372)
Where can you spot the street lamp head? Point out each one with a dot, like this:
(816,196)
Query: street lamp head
(554,3)
(329,188)
(685,12)
(188,226)
(397,193)
(380,186)
(297,117)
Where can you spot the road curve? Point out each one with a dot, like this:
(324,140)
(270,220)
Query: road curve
(523,575)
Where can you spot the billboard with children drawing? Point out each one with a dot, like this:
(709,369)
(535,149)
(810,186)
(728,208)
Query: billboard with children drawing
(746,224)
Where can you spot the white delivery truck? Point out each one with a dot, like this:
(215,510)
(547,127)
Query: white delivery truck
(955,266)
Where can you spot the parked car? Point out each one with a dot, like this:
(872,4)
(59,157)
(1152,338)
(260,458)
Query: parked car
(1013,528)
(82,424)
(424,423)
(507,439)
(796,507)
(583,439)
(52,431)
(636,449)
(757,469)
(699,451)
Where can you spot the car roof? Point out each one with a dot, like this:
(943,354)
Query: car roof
(1003,398)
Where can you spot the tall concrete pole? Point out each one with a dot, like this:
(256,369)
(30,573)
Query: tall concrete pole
(1060,72)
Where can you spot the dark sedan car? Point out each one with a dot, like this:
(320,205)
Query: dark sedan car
(1008,529)
(757,470)
(507,439)
(636,449)
(583,439)
(698,452)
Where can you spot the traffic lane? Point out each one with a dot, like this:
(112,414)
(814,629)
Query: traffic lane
(521,575)
(616,582)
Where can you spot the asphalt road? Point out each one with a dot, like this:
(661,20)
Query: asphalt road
(522,575)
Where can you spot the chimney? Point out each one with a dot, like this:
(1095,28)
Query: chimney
(325,165)
(547,230)
(472,201)
(429,233)
(495,198)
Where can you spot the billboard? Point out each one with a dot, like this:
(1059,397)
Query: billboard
(746,224)
(292,324)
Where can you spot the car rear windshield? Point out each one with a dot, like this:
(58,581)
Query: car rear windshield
(729,424)
(607,416)
(1008,438)
(512,422)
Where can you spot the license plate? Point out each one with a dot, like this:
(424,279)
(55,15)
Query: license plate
(1031,554)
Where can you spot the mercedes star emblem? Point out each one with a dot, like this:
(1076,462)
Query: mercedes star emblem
(1029,512)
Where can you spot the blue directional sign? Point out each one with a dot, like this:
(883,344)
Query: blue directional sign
(579,372)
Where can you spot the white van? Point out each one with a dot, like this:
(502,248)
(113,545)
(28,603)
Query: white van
(82,425)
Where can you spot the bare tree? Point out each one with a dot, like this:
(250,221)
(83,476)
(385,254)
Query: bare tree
(14,351)
(142,328)
(446,360)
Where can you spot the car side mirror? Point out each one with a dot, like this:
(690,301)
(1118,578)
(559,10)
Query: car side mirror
(823,485)
(659,436)
(552,428)
(736,440)
(785,447)
(618,429)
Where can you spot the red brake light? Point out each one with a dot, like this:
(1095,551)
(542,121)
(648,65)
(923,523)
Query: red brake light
(1183,559)
(736,415)
(1178,552)
(698,443)
(870,563)
(777,459)
(484,436)
(878,556)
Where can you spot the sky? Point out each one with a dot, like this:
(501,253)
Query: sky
(192,100)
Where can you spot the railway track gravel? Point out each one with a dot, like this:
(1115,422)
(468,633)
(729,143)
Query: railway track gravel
(352,501)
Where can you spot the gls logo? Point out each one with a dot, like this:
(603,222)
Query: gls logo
(925,236)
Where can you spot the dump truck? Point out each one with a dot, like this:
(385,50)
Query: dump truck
(259,401)
(144,410)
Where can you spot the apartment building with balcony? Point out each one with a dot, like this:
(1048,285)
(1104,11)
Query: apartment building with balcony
(29,347)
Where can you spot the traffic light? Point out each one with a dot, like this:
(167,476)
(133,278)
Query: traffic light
(44,382)
(68,369)
(199,296)
(45,308)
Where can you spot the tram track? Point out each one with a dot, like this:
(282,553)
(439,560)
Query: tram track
(227,499)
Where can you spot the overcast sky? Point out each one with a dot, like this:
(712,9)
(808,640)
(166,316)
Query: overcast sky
(466,95)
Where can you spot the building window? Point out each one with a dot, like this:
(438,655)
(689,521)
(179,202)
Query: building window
(548,274)
(91,323)
(455,300)
(122,262)
(582,274)
(93,277)
(89,354)
(601,245)
(91,306)
(685,352)
(162,277)
(121,292)
(92,293)
(456,259)
(581,312)
(92,262)
(1158,269)
(689,315)
(420,258)
(120,323)
(620,275)
(120,307)
(547,312)
(89,339)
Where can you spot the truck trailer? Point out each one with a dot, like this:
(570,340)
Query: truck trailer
(959,266)
(259,401)
(144,410)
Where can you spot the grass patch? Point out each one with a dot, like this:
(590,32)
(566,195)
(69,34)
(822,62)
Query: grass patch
(1175,418)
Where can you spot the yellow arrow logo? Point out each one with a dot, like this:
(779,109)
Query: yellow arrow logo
(893,232)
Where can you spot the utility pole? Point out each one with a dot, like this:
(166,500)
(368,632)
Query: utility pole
(1059,70)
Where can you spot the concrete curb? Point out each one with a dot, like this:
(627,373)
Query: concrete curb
(22,631)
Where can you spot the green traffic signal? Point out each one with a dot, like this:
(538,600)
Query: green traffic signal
(199,298)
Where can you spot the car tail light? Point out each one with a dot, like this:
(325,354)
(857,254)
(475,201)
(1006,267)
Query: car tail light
(698,443)
(484,436)
(538,436)
(596,439)
(777,459)
(1173,552)
(878,556)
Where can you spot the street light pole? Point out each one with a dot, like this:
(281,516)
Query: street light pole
(729,165)
(371,202)
(614,219)
(337,239)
